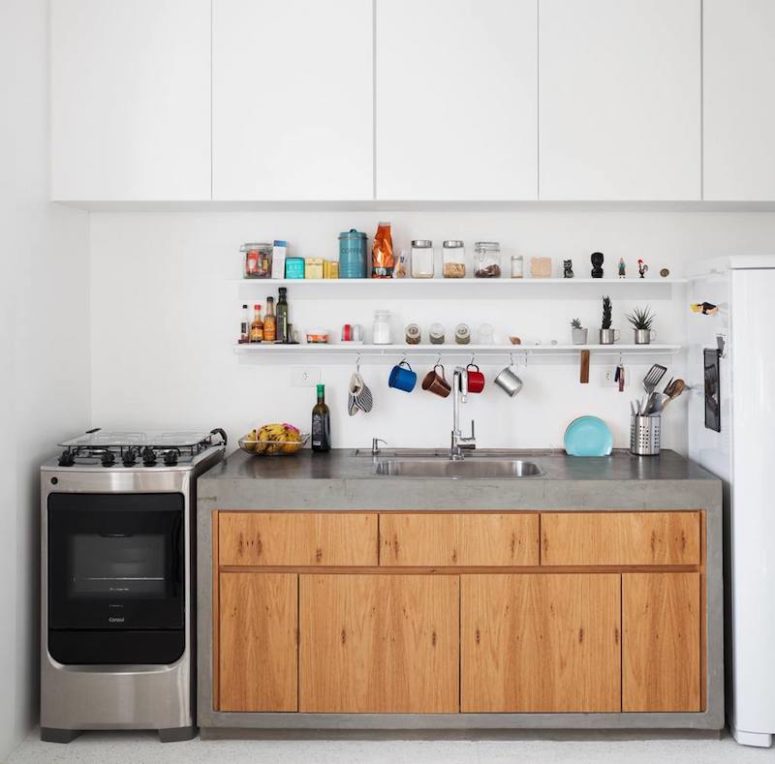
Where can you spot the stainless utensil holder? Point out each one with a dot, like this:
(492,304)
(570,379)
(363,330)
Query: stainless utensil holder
(646,435)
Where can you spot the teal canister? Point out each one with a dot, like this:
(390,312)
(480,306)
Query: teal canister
(352,255)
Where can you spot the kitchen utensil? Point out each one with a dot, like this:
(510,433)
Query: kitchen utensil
(475,378)
(584,367)
(436,382)
(402,377)
(508,381)
(645,435)
(588,436)
(673,390)
(653,378)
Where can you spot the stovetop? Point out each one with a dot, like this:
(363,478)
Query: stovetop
(151,448)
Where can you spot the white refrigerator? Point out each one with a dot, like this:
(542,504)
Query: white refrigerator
(731,371)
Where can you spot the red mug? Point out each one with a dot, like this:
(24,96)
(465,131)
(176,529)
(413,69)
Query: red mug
(475,378)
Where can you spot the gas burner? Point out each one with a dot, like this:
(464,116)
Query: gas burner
(153,449)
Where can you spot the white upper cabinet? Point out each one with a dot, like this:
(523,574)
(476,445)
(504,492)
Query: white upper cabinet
(739,100)
(619,91)
(130,100)
(456,100)
(293,100)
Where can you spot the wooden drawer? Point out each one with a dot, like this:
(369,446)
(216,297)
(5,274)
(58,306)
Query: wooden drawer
(291,538)
(620,538)
(458,539)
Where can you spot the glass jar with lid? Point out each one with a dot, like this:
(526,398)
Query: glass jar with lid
(487,260)
(381,333)
(422,259)
(453,255)
(258,260)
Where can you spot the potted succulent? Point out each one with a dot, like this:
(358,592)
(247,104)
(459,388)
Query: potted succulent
(642,319)
(578,332)
(607,335)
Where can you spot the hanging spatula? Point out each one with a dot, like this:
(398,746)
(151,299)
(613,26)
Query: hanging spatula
(653,378)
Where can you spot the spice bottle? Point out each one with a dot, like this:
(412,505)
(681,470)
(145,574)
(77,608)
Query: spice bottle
(283,334)
(270,325)
(244,327)
(257,325)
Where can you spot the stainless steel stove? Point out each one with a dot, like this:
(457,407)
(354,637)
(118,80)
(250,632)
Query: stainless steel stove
(118,589)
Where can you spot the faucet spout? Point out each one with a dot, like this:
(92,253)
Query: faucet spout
(459,442)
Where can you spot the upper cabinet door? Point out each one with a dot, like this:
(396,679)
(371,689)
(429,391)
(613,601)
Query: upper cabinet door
(293,100)
(739,109)
(456,101)
(619,99)
(130,100)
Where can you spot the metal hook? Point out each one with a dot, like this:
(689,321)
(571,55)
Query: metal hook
(358,363)
(438,361)
(511,359)
(473,360)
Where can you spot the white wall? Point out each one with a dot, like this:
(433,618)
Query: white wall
(166,317)
(44,345)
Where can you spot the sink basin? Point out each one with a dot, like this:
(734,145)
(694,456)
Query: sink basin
(424,468)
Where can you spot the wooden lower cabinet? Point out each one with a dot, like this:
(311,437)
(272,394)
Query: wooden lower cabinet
(662,667)
(257,669)
(540,643)
(379,643)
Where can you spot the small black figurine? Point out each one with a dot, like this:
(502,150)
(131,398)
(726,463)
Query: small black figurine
(567,269)
(643,269)
(597,264)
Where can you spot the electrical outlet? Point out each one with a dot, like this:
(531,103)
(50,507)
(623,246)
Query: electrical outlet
(305,377)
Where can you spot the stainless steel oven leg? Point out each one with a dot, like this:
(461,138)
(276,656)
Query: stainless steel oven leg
(177,734)
(55,735)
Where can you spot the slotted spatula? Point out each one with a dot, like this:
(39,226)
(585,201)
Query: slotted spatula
(653,378)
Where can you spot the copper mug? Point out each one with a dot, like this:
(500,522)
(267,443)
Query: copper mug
(436,383)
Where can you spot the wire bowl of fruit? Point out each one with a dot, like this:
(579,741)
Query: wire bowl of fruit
(274,440)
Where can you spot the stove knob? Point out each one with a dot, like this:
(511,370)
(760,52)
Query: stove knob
(171,457)
(149,457)
(130,458)
(108,459)
(67,459)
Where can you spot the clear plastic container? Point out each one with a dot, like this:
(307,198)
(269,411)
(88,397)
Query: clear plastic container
(422,259)
(453,255)
(258,260)
(487,260)
(381,333)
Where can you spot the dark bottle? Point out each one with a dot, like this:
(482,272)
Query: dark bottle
(282,316)
(321,423)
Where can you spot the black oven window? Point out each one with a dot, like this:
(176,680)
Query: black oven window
(118,565)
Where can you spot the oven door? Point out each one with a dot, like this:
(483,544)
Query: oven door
(116,577)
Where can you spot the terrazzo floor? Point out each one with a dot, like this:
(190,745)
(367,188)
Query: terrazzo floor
(144,748)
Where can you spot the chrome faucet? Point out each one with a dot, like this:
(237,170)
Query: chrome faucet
(460,395)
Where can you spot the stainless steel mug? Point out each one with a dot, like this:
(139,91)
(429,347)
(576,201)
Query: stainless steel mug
(508,381)
(608,336)
(644,336)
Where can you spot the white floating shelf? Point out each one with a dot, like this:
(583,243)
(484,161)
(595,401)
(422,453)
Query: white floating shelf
(453,288)
(395,352)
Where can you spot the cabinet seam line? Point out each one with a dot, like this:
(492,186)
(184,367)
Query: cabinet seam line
(212,144)
(702,100)
(538,100)
(374,99)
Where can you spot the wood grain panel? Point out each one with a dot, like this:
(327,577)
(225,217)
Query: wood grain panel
(290,538)
(258,658)
(379,644)
(661,615)
(458,539)
(620,538)
(540,643)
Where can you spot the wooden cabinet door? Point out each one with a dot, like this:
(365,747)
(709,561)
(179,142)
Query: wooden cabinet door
(130,100)
(457,539)
(379,644)
(293,100)
(257,660)
(619,93)
(662,645)
(456,99)
(738,107)
(540,643)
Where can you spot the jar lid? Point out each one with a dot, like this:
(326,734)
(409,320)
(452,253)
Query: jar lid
(488,245)
(255,245)
(352,234)
(422,243)
(452,244)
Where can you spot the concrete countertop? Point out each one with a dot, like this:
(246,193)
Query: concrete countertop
(344,479)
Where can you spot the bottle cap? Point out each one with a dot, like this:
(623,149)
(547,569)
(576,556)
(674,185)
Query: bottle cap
(321,389)
(244,306)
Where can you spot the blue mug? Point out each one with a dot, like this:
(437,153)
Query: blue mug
(402,377)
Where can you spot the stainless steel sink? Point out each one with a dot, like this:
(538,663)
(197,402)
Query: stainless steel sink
(446,468)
